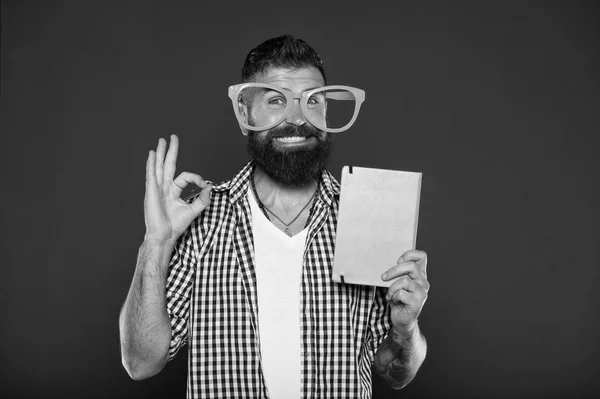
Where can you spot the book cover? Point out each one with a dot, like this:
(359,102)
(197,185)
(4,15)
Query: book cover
(377,223)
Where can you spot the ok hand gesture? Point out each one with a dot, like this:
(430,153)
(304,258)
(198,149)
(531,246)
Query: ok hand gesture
(166,215)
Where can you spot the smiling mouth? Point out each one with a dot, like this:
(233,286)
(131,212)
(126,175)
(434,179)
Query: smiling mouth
(295,139)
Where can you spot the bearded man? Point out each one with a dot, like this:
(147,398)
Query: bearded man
(241,271)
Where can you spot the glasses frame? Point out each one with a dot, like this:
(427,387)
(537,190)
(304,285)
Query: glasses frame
(359,95)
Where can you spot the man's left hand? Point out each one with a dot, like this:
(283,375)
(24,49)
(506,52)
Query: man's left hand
(408,293)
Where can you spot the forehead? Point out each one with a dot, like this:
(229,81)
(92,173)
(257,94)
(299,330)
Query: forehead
(298,79)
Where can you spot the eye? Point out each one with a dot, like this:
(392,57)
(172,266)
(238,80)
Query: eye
(277,101)
(317,98)
(316,101)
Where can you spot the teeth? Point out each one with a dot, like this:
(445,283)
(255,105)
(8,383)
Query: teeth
(290,139)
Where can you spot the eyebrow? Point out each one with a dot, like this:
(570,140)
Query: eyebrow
(303,91)
(267,90)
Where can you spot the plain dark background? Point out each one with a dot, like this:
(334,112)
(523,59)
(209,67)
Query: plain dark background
(497,103)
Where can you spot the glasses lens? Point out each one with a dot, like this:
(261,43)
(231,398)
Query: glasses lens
(333,108)
(265,105)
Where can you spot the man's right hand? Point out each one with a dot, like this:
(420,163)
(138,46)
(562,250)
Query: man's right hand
(167,216)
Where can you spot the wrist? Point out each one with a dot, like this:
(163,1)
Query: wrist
(154,256)
(405,333)
(159,243)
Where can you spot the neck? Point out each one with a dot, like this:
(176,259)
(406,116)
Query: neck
(273,194)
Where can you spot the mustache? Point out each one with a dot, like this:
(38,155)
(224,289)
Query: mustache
(304,130)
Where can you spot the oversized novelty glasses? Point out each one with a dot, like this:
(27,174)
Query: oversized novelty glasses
(260,106)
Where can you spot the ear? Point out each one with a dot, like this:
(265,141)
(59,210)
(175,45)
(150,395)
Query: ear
(243,110)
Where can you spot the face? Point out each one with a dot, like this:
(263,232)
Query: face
(294,152)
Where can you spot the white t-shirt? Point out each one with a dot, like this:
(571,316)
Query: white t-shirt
(278,264)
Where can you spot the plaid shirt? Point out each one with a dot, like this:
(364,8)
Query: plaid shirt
(212,303)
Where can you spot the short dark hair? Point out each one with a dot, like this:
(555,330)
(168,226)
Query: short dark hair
(284,51)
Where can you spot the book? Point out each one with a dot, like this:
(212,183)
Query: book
(377,222)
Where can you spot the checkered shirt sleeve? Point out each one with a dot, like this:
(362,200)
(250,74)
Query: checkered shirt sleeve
(179,287)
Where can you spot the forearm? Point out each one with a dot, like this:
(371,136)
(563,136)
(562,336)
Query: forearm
(399,356)
(144,323)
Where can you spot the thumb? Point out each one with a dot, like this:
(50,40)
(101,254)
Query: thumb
(202,201)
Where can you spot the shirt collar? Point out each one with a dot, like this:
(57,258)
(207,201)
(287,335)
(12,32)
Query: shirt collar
(239,185)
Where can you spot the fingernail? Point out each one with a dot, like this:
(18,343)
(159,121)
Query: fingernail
(383,276)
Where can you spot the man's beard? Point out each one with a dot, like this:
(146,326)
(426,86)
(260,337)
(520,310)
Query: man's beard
(291,166)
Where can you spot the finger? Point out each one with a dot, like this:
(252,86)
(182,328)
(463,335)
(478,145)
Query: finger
(405,268)
(415,255)
(414,300)
(160,158)
(151,187)
(202,201)
(401,296)
(184,179)
(171,159)
(404,297)
(150,165)
(403,283)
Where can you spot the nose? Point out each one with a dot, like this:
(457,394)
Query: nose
(296,117)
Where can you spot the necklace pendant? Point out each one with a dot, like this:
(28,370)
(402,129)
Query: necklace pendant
(288,232)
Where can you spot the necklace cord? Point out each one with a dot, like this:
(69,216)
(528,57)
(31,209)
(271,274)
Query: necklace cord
(264,207)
